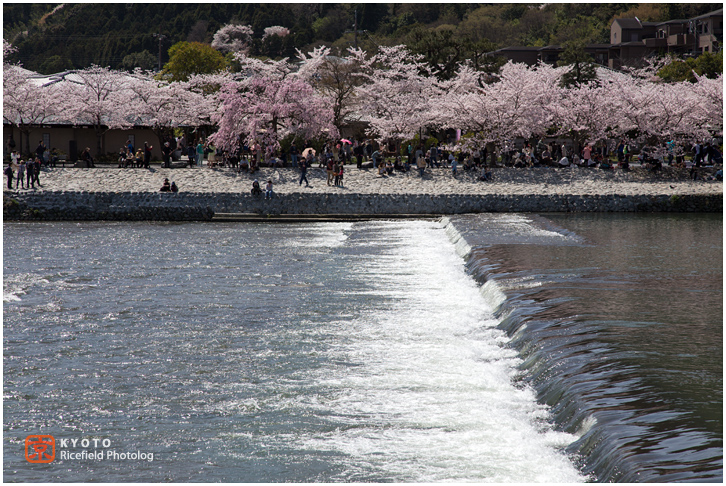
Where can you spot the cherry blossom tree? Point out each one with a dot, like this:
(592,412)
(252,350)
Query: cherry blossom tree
(336,79)
(270,103)
(27,102)
(233,38)
(163,105)
(276,30)
(582,113)
(653,113)
(399,94)
(275,41)
(100,97)
(709,103)
(517,104)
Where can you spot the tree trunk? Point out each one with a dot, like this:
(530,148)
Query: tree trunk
(25,130)
(99,148)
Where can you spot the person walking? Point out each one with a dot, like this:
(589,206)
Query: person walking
(36,172)
(29,169)
(303,172)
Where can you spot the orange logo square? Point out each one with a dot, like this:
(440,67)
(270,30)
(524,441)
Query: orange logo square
(37,449)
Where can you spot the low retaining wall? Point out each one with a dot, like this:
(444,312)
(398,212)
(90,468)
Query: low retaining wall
(202,206)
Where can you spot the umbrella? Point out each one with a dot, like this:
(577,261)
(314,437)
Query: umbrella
(308,150)
(345,140)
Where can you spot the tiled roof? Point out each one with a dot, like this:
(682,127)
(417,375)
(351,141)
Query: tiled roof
(629,23)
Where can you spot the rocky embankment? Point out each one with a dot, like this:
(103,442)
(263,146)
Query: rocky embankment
(133,194)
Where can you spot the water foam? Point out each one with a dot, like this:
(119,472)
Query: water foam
(434,399)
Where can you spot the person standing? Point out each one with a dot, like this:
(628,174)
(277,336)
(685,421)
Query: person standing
(21,175)
(166,154)
(339,175)
(358,151)
(698,155)
(9,174)
(212,154)
(147,154)
(303,172)
(191,154)
(421,164)
(200,153)
(293,154)
(40,151)
(434,154)
(586,154)
(329,170)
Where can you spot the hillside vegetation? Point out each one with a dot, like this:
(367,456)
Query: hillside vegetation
(55,37)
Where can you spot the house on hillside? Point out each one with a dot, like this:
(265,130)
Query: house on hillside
(632,41)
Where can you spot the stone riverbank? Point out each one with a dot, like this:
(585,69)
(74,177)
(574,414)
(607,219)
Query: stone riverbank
(132,194)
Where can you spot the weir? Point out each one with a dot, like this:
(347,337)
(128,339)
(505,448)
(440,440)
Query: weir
(582,367)
(140,206)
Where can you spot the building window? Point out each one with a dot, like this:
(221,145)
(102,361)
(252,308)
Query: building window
(46,140)
(132,139)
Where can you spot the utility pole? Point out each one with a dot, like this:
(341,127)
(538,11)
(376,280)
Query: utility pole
(355,28)
(161,38)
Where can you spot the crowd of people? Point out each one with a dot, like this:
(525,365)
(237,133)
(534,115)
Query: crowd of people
(385,160)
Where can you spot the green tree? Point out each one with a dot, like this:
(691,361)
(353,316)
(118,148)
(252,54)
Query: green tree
(442,50)
(582,68)
(707,64)
(710,64)
(144,60)
(55,64)
(187,58)
(677,70)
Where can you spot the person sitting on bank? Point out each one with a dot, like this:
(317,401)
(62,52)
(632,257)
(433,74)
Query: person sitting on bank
(256,190)
(485,176)
(268,189)
(174,187)
(86,157)
(166,187)
(139,158)
(122,158)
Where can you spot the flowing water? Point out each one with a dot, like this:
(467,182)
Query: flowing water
(366,351)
